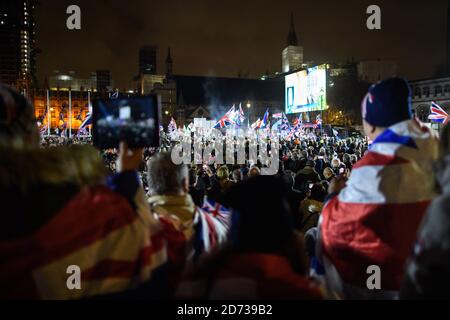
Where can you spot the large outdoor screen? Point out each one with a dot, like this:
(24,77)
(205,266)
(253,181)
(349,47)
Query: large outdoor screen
(306,90)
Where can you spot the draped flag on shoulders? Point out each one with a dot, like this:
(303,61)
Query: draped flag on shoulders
(438,114)
(116,247)
(212,223)
(374,219)
(218,211)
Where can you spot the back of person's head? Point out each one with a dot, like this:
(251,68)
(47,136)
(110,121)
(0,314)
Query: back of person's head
(261,219)
(237,175)
(223,173)
(310,163)
(192,177)
(335,163)
(318,192)
(17,120)
(254,172)
(388,102)
(328,173)
(165,177)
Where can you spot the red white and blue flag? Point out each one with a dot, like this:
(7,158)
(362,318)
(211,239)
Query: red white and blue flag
(240,117)
(87,121)
(226,120)
(172,125)
(218,211)
(374,219)
(278,115)
(438,114)
(265,120)
(318,123)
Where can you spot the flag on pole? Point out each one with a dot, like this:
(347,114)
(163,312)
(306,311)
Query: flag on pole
(172,125)
(318,123)
(278,115)
(265,120)
(240,117)
(226,120)
(285,125)
(438,114)
(87,121)
(114,95)
(256,124)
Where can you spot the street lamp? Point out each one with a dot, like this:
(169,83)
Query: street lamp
(249,105)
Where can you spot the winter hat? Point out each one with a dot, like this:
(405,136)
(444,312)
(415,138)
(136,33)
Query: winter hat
(388,102)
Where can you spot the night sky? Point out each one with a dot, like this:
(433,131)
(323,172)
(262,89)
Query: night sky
(223,38)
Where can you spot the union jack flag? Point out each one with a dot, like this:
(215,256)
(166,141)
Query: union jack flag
(318,123)
(172,125)
(438,114)
(260,124)
(87,121)
(226,120)
(218,211)
(240,117)
(285,125)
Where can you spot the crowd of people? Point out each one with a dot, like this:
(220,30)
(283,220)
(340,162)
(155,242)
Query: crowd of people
(137,225)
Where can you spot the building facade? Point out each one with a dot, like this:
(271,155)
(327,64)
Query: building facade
(17,39)
(69,81)
(292,55)
(147,60)
(373,71)
(58,103)
(428,90)
(103,80)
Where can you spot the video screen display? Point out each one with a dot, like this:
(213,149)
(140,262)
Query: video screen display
(306,90)
(133,120)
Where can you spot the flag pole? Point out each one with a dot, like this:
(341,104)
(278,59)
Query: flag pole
(89,108)
(70,113)
(48,115)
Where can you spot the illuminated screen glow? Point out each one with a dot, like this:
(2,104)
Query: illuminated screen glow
(306,90)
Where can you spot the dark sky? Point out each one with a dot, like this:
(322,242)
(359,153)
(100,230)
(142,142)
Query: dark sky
(224,37)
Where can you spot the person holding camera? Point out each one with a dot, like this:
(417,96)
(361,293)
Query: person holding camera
(62,214)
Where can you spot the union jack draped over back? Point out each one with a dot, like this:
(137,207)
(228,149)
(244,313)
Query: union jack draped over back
(212,223)
(117,248)
(374,219)
(218,211)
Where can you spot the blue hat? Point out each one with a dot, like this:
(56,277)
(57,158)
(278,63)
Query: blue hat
(388,102)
